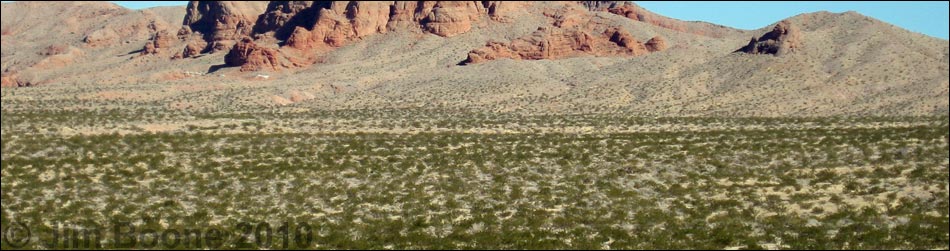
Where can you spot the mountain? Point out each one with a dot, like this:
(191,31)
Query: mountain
(537,57)
(52,42)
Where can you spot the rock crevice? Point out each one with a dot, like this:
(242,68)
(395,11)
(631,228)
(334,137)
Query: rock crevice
(784,38)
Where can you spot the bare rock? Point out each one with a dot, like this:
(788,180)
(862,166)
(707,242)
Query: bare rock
(309,25)
(325,25)
(184,32)
(223,20)
(559,43)
(492,51)
(656,44)
(622,38)
(194,48)
(601,5)
(340,23)
(574,32)
(161,40)
(282,17)
(252,57)
(223,45)
(784,38)
(500,10)
(452,18)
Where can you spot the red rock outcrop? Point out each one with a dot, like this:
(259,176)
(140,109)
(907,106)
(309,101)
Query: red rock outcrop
(222,20)
(308,25)
(324,25)
(184,33)
(784,38)
(252,57)
(573,32)
(559,43)
(282,17)
(452,18)
(211,26)
(194,48)
(657,43)
(161,40)
(341,23)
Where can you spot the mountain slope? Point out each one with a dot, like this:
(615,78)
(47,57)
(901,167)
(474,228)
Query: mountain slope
(83,38)
(847,64)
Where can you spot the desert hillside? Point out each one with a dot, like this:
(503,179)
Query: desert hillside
(558,57)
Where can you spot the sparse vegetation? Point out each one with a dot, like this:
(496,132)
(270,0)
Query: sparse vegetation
(430,179)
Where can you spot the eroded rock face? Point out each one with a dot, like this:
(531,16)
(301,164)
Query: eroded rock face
(194,48)
(622,38)
(573,33)
(323,25)
(252,57)
(784,38)
(559,43)
(160,41)
(602,5)
(282,17)
(184,32)
(223,20)
(452,18)
(498,10)
(656,44)
(341,23)
(308,25)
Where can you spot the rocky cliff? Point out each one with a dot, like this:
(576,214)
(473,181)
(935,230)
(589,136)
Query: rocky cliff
(313,27)
(223,20)
(784,38)
(573,31)
(308,25)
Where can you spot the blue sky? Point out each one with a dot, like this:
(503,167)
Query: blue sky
(931,18)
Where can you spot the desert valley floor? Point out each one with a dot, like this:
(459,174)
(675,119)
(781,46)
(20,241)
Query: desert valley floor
(430,178)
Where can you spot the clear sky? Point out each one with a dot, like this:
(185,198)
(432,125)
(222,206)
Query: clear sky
(931,18)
